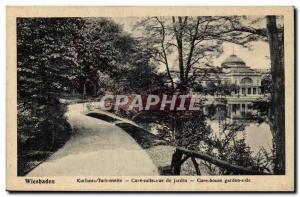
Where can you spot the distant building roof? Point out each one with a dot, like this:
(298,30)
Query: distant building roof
(233,61)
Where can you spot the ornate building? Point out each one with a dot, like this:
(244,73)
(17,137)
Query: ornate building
(234,70)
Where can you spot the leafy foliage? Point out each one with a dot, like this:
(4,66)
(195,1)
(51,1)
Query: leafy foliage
(192,131)
(266,84)
(56,56)
(46,65)
(229,145)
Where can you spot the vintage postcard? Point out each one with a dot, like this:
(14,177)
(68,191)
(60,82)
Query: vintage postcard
(150,99)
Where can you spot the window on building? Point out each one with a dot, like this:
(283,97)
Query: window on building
(234,108)
(254,90)
(243,109)
(246,81)
(243,90)
(249,90)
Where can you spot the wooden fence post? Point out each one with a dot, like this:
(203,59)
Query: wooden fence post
(176,163)
(196,165)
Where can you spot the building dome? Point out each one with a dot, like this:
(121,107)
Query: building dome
(233,61)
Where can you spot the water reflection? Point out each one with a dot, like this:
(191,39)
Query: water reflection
(257,135)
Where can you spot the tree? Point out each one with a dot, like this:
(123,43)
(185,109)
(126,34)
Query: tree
(278,105)
(103,47)
(274,35)
(230,145)
(172,37)
(266,84)
(47,57)
(46,65)
(193,41)
(189,42)
(56,56)
(142,77)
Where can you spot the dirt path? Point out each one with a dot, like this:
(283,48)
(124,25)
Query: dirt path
(97,148)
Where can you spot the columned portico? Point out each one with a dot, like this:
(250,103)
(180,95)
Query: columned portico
(247,81)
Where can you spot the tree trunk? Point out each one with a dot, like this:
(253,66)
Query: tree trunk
(278,105)
(163,32)
(178,34)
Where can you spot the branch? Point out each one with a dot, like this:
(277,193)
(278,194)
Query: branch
(163,32)
(192,49)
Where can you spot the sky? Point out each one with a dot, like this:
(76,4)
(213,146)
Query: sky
(256,57)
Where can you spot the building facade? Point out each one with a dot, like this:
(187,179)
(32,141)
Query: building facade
(248,82)
(235,71)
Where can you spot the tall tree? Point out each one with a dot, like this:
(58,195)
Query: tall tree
(103,47)
(278,105)
(192,42)
(274,35)
(46,56)
(46,66)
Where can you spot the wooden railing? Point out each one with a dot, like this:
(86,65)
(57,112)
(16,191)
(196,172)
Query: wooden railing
(181,155)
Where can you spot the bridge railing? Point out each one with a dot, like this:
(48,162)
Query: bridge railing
(181,155)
